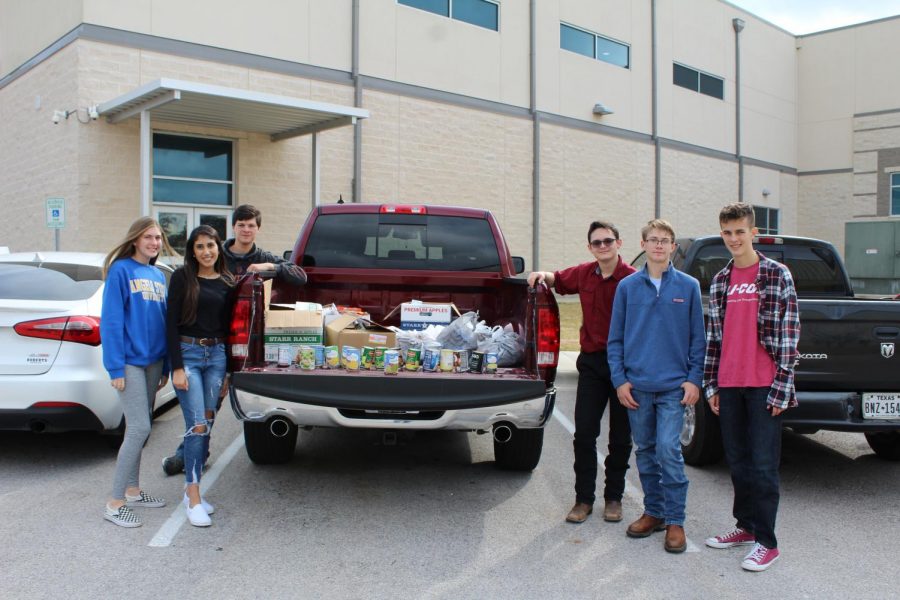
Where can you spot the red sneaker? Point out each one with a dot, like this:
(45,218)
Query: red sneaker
(760,558)
(735,537)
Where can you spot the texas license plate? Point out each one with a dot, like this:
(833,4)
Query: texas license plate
(881,406)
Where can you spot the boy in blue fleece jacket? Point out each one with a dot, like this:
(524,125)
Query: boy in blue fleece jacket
(656,348)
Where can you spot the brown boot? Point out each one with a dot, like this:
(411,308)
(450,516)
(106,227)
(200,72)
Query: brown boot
(644,526)
(675,540)
(579,512)
(612,512)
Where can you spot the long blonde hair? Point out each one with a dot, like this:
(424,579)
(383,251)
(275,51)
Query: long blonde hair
(126,248)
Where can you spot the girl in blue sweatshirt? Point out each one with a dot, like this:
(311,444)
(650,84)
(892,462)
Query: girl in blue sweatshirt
(133,334)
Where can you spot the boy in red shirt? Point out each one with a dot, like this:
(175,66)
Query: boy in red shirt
(752,332)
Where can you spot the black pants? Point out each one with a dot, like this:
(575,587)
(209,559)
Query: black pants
(595,391)
(752,440)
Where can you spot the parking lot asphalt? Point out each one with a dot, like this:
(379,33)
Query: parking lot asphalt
(357,514)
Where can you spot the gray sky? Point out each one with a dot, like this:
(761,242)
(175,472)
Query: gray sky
(807,16)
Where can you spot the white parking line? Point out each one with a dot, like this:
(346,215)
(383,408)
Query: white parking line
(630,491)
(170,528)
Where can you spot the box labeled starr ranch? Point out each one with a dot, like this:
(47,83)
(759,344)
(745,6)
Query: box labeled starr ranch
(292,328)
(419,315)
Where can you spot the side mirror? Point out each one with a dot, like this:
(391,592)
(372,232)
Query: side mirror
(286,255)
(518,264)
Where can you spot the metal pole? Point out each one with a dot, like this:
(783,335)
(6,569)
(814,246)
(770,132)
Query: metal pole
(146,175)
(357,102)
(738,25)
(535,144)
(316,181)
(657,151)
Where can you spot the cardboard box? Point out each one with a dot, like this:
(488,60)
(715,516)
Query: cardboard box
(293,328)
(419,315)
(341,332)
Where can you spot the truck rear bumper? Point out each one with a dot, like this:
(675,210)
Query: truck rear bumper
(833,411)
(527,414)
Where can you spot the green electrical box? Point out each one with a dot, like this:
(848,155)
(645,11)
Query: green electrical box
(872,254)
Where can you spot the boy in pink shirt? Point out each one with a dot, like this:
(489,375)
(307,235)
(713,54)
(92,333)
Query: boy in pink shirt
(752,333)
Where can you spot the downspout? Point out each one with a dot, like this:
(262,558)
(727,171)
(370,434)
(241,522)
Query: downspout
(357,102)
(535,143)
(654,90)
(738,25)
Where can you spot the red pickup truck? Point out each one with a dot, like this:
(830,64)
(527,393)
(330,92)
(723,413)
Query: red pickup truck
(376,257)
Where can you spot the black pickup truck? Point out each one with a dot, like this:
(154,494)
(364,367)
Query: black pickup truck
(847,375)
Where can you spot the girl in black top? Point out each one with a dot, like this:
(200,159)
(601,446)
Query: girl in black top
(196,327)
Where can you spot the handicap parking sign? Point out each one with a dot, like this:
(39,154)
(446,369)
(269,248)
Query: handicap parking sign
(56,213)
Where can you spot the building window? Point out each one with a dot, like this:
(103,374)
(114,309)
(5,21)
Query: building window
(483,13)
(698,81)
(895,194)
(192,170)
(766,219)
(594,45)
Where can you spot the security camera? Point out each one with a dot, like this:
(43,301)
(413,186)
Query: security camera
(92,112)
(56,117)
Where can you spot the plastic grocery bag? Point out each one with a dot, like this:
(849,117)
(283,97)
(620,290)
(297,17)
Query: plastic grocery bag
(460,334)
(510,346)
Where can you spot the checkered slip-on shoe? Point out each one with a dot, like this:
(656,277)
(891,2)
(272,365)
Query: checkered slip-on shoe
(122,516)
(145,500)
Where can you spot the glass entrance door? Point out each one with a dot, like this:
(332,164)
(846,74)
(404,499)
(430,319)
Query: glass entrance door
(178,221)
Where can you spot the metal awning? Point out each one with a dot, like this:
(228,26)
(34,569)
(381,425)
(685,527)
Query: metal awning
(175,101)
(191,103)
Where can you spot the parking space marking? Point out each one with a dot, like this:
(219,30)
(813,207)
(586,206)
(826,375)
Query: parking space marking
(630,490)
(172,526)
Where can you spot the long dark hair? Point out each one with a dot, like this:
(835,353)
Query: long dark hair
(192,267)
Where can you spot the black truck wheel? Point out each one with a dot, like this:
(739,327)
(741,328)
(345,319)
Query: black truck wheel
(886,444)
(270,443)
(701,439)
(517,449)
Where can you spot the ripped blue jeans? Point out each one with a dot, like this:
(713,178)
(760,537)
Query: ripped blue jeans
(204,367)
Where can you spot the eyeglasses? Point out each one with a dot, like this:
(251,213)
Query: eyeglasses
(603,242)
(658,241)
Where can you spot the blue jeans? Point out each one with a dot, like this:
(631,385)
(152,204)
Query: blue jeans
(656,428)
(751,437)
(204,367)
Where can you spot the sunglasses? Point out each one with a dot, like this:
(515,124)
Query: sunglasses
(603,242)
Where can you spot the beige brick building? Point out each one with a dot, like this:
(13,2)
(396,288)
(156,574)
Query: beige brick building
(551,114)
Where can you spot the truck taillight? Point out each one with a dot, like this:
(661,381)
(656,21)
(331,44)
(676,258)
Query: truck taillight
(404,209)
(547,337)
(239,336)
(79,329)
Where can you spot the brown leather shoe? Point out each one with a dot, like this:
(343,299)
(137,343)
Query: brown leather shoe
(612,512)
(644,526)
(675,540)
(579,512)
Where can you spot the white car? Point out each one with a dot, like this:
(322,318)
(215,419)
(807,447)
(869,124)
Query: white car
(51,364)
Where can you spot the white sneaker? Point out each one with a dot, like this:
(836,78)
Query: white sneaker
(122,516)
(209,508)
(198,516)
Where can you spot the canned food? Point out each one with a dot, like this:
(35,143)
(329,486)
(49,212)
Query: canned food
(351,358)
(461,358)
(368,357)
(391,362)
(413,358)
(447,360)
(285,354)
(320,355)
(332,357)
(476,362)
(431,356)
(490,362)
(379,357)
(307,358)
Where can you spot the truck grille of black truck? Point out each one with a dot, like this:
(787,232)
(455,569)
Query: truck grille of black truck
(424,415)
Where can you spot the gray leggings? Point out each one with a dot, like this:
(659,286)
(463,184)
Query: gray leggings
(137,403)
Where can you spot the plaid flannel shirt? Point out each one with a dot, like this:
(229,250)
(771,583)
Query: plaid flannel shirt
(777,326)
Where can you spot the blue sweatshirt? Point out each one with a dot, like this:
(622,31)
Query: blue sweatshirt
(133,317)
(656,339)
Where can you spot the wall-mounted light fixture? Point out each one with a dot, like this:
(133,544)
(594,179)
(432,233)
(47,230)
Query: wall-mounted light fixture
(601,109)
(766,192)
